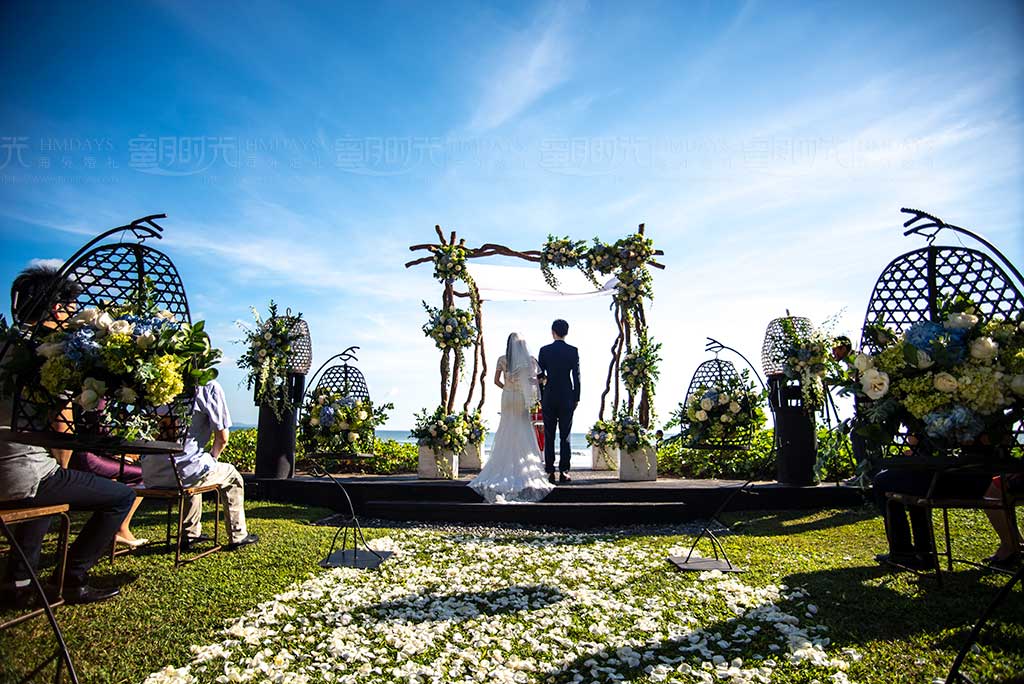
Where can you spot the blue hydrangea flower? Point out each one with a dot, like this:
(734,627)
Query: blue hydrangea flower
(923,335)
(958,424)
(81,346)
(327,416)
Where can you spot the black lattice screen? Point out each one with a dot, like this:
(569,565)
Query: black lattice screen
(109,275)
(910,287)
(776,342)
(301,358)
(346,380)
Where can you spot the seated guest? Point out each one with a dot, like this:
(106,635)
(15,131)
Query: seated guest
(917,553)
(196,467)
(30,477)
(111,469)
(1008,554)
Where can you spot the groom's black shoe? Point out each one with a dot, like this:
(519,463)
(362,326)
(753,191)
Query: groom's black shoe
(563,478)
(551,478)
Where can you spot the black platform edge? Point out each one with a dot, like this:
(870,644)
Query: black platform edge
(586,504)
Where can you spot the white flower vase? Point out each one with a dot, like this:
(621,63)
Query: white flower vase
(433,465)
(472,456)
(604,458)
(638,466)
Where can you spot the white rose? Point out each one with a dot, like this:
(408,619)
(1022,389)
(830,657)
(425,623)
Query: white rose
(875,383)
(268,336)
(127,395)
(734,407)
(92,391)
(723,398)
(944,382)
(960,321)
(263,352)
(121,327)
(863,362)
(447,328)
(1017,384)
(103,321)
(726,418)
(924,360)
(50,349)
(145,340)
(433,431)
(362,415)
(352,437)
(707,404)
(343,425)
(984,348)
(165,315)
(85,317)
(701,416)
(314,421)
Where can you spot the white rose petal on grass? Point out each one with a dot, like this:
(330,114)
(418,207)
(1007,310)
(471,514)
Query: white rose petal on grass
(516,606)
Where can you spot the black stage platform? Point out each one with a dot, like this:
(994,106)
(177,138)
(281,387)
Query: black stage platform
(593,499)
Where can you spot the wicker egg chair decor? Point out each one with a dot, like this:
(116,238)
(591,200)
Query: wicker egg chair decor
(335,390)
(712,380)
(135,282)
(920,286)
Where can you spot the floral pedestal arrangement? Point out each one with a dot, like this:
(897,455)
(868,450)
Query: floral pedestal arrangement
(472,456)
(437,465)
(604,458)
(638,466)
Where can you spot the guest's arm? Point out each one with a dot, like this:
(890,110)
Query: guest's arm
(220,440)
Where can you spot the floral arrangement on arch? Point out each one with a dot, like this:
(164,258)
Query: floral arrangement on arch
(440,431)
(118,363)
(954,382)
(717,413)
(450,328)
(450,262)
(332,422)
(564,253)
(632,252)
(807,357)
(267,356)
(639,367)
(629,433)
(602,434)
(475,427)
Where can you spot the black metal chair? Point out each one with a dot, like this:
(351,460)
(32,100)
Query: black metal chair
(719,372)
(13,516)
(348,381)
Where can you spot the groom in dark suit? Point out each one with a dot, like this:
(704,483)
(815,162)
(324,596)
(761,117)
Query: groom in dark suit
(560,365)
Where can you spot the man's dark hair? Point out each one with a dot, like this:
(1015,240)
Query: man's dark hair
(37,289)
(560,328)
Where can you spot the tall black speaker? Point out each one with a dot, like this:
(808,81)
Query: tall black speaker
(275,441)
(794,433)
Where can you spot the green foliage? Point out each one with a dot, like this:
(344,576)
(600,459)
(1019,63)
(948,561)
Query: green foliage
(388,457)
(675,459)
(240,450)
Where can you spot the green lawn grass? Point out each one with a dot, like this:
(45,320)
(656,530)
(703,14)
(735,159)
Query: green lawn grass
(907,629)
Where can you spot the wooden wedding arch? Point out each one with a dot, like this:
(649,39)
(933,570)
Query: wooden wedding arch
(633,354)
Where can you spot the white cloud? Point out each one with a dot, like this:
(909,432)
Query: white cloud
(532,64)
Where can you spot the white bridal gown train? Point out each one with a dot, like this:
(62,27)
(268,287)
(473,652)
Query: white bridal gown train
(514,473)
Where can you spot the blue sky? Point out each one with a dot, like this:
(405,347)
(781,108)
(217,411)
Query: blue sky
(298,150)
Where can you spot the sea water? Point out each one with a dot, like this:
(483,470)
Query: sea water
(577,441)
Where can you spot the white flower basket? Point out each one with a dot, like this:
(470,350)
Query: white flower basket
(604,458)
(437,466)
(472,456)
(638,466)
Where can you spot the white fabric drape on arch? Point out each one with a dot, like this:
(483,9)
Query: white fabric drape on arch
(526,284)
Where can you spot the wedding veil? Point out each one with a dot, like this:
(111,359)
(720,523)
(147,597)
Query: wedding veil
(522,369)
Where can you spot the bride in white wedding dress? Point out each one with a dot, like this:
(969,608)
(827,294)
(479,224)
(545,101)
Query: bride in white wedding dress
(514,473)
